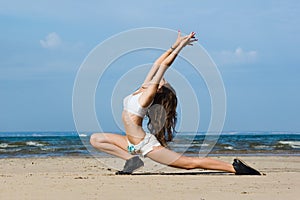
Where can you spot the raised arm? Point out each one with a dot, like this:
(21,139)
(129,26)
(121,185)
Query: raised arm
(151,90)
(167,62)
(158,62)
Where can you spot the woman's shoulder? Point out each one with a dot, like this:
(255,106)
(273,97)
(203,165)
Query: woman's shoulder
(140,90)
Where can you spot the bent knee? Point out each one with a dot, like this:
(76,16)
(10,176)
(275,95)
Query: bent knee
(96,138)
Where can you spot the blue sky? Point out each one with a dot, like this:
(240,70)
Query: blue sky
(255,45)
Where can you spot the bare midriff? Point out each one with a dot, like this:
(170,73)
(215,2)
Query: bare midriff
(133,127)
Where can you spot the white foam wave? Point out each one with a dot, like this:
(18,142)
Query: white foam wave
(293,144)
(31,143)
(10,150)
(3,145)
(47,149)
(82,135)
(205,145)
(228,147)
(261,147)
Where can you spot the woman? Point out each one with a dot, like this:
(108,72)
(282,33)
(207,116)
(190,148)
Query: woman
(158,94)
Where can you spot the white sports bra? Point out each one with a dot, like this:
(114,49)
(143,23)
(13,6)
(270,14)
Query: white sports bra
(131,104)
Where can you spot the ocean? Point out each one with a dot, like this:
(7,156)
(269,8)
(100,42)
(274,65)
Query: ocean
(51,144)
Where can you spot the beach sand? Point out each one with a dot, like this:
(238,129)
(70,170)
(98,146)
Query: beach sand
(91,178)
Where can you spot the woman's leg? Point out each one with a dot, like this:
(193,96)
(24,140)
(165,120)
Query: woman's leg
(113,144)
(170,158)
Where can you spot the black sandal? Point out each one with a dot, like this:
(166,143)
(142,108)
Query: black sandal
(242,168)
(131,165)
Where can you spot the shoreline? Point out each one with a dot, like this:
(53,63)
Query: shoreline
(91,178)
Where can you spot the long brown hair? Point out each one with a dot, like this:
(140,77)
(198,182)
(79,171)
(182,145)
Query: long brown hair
(162,115)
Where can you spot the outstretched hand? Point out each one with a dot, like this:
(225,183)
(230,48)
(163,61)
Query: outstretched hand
(188,39)
(185,40)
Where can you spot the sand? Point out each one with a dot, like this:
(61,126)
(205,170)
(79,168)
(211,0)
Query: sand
(91,178)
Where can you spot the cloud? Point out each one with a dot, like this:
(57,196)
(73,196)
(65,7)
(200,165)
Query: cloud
(238,56)
(52,40)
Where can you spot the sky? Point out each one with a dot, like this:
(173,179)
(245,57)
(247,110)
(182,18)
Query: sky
(255,45)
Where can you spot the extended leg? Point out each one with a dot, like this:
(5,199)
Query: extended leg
(171,158)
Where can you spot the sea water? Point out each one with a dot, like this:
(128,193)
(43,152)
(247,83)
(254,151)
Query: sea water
(45,144)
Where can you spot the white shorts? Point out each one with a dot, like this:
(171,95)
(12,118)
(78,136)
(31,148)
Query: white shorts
(145,146)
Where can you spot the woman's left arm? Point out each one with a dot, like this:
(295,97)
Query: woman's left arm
(151,90)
